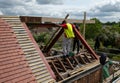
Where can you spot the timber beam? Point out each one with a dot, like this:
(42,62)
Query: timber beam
(65,68)
(80,75)
(41,25)
(31,19)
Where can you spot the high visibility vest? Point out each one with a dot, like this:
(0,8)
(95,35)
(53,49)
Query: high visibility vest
(69,31)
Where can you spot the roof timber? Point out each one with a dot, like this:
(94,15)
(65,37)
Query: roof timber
(30,19)
(41,25)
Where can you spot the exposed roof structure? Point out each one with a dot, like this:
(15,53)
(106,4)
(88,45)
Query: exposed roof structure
(63,68)
(22,60)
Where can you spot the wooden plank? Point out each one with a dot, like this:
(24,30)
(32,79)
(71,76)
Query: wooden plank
(41,69)
(44,80)
(82,60)
(48,19)
(30,19)
(52,57)
(10,17)
(76,60)
(85,43)
(57,72)
(117,73)
(40,25)
(76,71)
(38,67)
(62,65)
(69,63)
(87,58)
(54,37)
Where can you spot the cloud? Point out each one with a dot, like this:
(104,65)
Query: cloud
(1,13)
(15,7)
(110,7)
(12,3)
(19,10)
(50,1)
(105,11)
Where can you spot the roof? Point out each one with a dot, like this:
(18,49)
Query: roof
(13,65)
(40,70)
(64,68)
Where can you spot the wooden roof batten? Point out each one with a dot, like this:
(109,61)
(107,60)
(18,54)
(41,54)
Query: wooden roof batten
(33,55)
(31,19)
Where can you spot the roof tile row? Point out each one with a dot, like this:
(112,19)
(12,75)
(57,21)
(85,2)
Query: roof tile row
(13,65)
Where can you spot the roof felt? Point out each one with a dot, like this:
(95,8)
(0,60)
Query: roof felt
(13,65)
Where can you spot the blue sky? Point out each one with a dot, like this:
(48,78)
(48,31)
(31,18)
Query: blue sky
(104,10)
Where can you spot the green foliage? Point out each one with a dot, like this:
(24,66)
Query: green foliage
(109,37)
(117,58)
(109,33)
(110,56)
(44,38)
(92,30)
(40,38)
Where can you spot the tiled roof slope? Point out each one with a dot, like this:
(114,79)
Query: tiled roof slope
(33,57)
(13,65)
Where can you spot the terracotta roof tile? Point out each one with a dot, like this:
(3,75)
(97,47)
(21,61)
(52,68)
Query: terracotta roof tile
(36,60)
(13,65)
(34,57)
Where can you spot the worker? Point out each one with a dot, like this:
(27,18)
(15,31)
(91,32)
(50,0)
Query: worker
(76,41)
(68,36)
(102,58)
(97,43)
(106,64)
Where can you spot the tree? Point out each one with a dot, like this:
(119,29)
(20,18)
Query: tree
(92,29)
(110,37)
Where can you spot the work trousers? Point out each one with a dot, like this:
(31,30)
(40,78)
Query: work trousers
(66,45)
(76,43)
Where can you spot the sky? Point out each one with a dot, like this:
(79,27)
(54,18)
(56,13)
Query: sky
(104,10)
